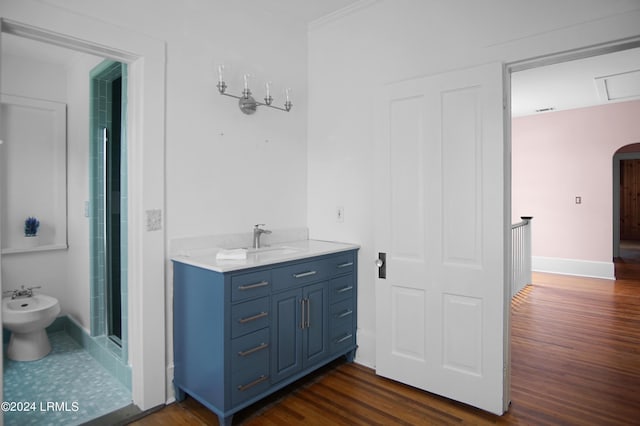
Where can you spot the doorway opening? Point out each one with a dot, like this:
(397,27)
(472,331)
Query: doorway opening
(626,211)
(146,60)
(560,173)
(549,211)
(60,76)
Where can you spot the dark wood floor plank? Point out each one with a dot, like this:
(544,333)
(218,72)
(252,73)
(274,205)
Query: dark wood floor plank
(575,348)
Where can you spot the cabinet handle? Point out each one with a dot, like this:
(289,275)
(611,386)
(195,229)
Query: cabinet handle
(304,274)
(257,381)
(343,289)
(252,286)
(344,265)
(308,315)
(344,314)
(342,339)
(260,347)
(304,314)
(253,318)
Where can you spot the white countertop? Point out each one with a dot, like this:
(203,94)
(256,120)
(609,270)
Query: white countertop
(284,252)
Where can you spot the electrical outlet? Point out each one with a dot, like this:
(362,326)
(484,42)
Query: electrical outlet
(578,199)
(339,214)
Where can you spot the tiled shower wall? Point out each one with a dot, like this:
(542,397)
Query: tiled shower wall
(101,76)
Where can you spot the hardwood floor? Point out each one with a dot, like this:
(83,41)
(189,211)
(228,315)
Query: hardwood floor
(575,361)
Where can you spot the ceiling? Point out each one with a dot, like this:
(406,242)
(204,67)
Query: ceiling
(301,10)
(598,80)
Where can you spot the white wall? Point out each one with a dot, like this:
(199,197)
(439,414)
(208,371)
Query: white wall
(351,57)
(225,171)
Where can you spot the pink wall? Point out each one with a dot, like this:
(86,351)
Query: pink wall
(560,155)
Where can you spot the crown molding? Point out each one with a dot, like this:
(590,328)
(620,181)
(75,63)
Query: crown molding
(340,13)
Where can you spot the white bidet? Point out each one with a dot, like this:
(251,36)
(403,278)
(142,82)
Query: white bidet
(27,318)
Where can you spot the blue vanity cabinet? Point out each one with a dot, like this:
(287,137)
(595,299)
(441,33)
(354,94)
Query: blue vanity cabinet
(241,335)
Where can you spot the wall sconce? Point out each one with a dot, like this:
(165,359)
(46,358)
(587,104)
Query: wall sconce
(246,102)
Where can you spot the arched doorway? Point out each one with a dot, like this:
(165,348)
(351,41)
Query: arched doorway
(626,203)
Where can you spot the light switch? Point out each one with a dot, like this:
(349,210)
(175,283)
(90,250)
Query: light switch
(578,200)
(154,220)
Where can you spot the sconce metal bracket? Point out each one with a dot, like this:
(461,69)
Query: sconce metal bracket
(248,105)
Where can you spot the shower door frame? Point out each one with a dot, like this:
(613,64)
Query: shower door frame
(103,275)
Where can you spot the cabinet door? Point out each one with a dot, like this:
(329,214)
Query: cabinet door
(286,334)
(316,328)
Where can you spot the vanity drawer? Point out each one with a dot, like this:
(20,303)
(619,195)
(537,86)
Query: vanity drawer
(246,384)
(249,316)
(341,313)
(254,284)
(341,323)
(342,339)
(250,350)
(299,274)
(341,264)
(341,288)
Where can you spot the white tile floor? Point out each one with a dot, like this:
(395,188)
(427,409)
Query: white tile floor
(67,387)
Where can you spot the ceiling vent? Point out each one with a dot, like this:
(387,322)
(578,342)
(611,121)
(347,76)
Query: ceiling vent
(619,87)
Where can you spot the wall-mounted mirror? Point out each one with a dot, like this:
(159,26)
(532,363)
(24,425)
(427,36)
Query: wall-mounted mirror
(33,173)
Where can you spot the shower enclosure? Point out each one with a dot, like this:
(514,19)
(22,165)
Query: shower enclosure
(108,213)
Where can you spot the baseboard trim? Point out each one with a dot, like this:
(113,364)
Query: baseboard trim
(365,355)
(581,268)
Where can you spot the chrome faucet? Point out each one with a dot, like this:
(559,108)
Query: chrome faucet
(257,232)
(23,292)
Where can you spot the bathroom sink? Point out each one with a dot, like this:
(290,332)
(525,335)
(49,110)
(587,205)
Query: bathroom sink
(279,250)
(251,255)
(272,253)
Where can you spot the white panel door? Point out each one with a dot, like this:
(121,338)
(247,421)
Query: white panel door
(440,162)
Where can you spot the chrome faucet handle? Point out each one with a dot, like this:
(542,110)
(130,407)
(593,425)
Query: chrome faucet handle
(257,228)
(257,232)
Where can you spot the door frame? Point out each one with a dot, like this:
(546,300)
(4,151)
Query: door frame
(146,59)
